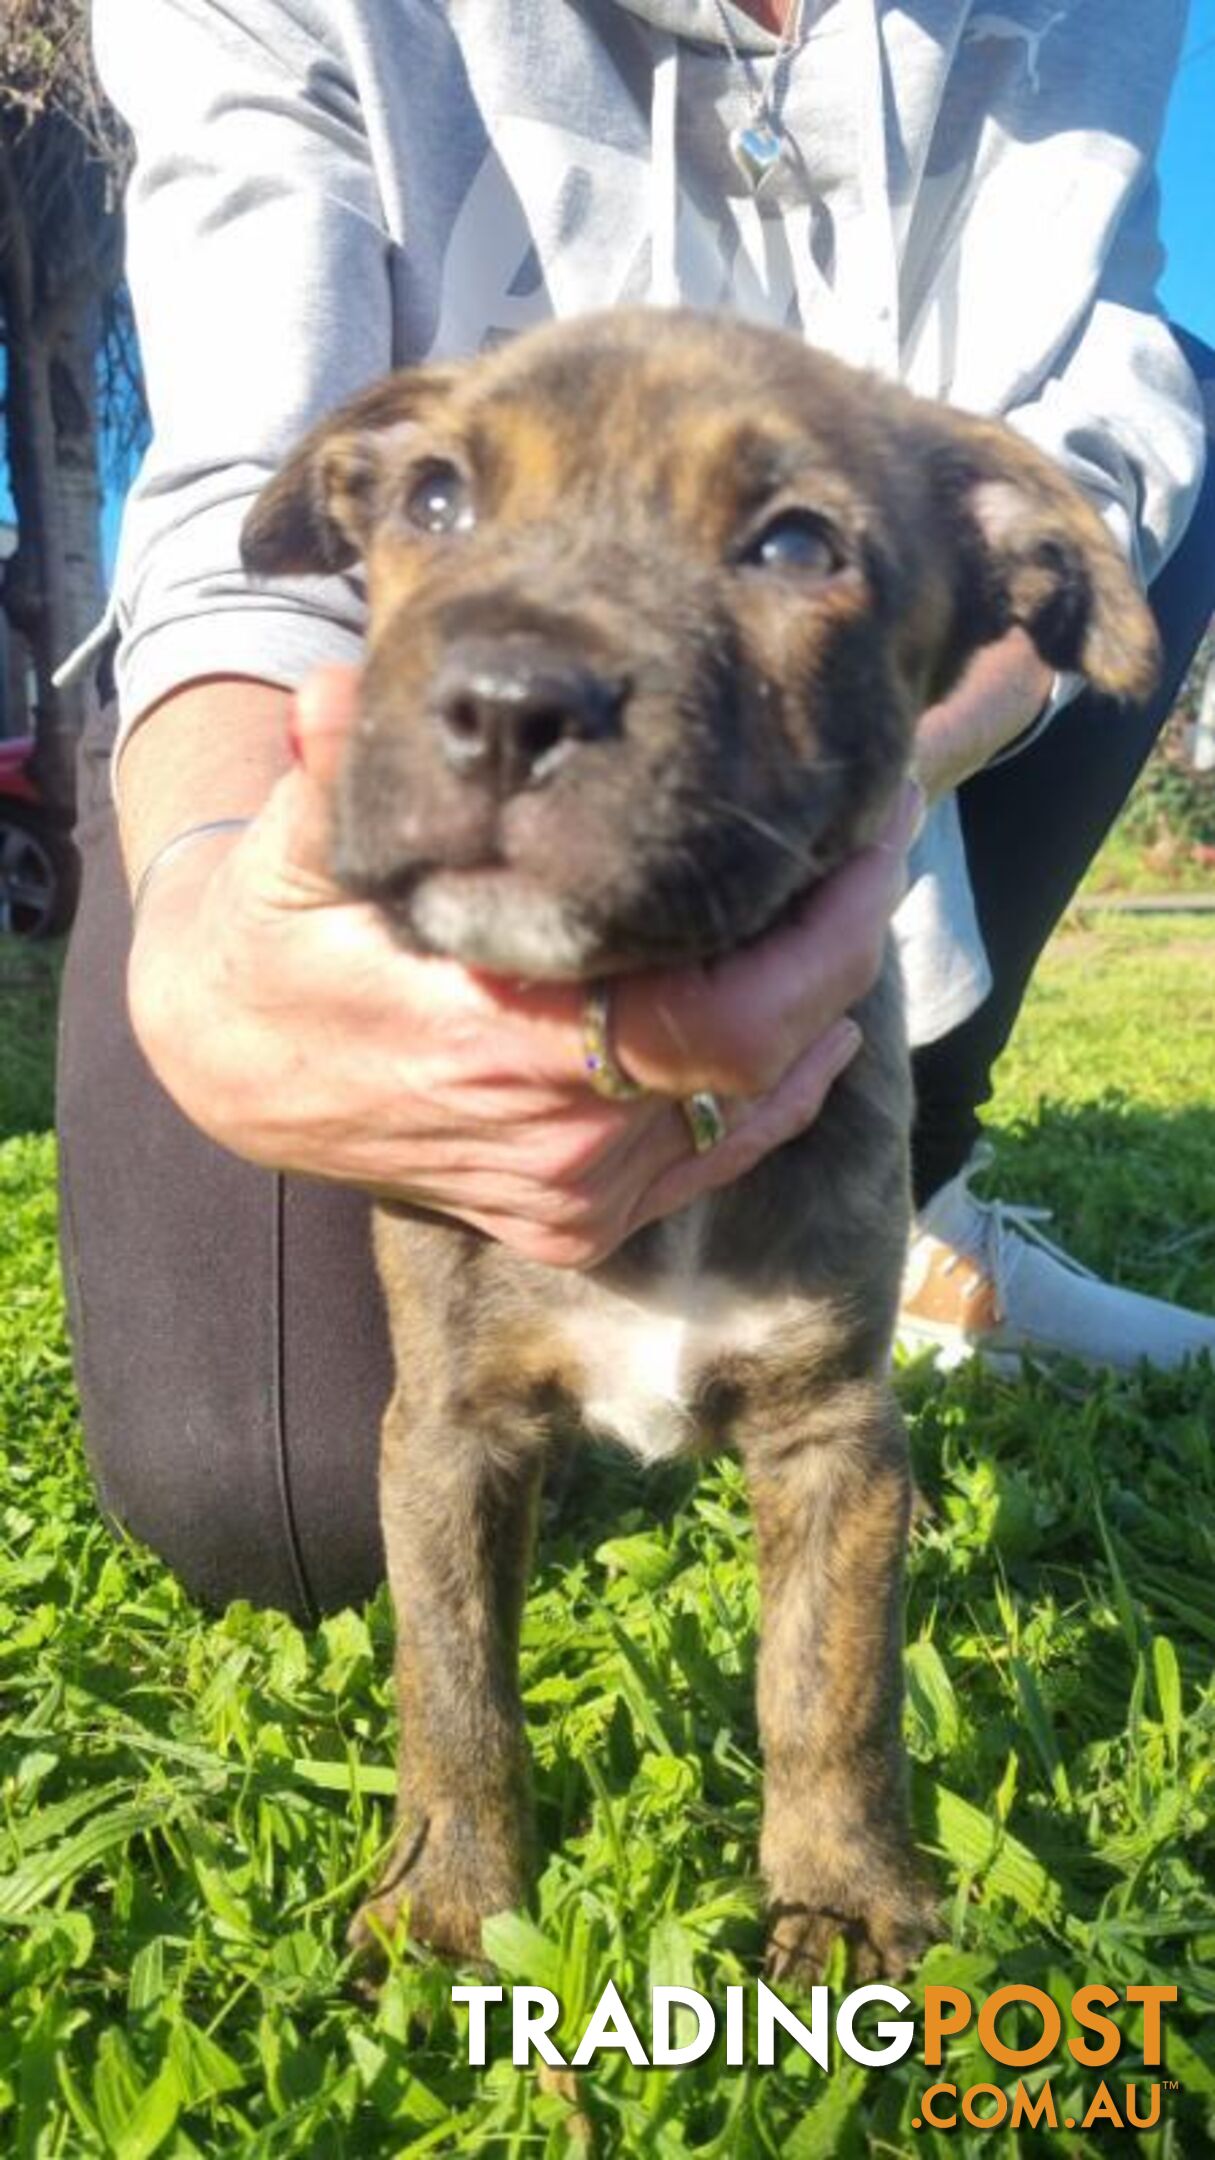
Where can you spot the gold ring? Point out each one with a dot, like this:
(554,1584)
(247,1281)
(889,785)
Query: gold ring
(606,1076)
(706,1120)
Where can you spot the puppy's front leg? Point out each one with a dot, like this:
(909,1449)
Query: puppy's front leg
(831,1506)
(458,1508)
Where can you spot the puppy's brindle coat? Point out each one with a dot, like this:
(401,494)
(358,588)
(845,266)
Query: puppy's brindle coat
(655,602)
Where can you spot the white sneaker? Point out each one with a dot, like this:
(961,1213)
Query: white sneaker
(981,1278)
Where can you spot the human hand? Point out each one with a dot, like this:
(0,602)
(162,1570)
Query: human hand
(286,1022)
(999,694)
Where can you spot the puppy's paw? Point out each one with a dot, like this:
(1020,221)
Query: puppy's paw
(887,1921)
(446,1876)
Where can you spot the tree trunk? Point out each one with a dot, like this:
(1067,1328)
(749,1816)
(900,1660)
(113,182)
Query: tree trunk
(53,588)
(78,480)
(36,583)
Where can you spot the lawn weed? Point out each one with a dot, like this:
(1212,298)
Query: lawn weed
(190,1804)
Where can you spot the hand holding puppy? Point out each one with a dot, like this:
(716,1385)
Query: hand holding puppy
(290,1027)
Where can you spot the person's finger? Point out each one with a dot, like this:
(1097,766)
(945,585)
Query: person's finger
(293,830)
(293,835)
(570,1195)
(740,1025)
(651,1169)
(755,1129)
(324,714)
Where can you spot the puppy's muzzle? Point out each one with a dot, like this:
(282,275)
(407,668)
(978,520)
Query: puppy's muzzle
(509,714)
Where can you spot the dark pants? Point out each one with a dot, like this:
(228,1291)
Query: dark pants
(230,1345)
(1033,826)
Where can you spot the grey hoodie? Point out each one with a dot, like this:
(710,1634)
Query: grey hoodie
(325,188)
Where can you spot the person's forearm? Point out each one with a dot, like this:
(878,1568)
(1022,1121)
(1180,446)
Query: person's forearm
(999,694)
(212,749)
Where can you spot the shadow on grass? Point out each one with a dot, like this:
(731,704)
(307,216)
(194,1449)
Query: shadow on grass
(1067,1559)
(1131,1188)
(29,1005)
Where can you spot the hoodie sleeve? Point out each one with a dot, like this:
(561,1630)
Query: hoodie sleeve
(259,266)
(1122,412)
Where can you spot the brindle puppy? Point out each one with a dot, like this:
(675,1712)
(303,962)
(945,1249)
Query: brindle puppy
(655,603)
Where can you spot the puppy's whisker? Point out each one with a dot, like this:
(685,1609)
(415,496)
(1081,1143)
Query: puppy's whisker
(695,903)
(766,831)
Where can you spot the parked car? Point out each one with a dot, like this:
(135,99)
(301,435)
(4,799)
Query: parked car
(39,866)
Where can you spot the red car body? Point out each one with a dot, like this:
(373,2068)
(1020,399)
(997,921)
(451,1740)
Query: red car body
(15,780)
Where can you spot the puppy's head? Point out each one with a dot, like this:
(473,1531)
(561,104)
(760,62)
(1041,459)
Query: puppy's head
(655,602)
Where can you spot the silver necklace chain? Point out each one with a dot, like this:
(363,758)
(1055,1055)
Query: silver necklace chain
(759,146)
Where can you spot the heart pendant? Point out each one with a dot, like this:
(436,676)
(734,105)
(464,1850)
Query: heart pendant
(757,150)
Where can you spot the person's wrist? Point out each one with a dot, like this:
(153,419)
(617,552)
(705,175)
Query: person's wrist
(173,884)
(167,992)
(173,850)
(210,749)
(998,697)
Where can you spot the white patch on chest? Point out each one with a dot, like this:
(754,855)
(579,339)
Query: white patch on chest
(640,1360)
(635,1383)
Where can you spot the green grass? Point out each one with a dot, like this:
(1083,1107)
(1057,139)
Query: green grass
(1127,865)
(1164,837)
(188,1805)
(29,988)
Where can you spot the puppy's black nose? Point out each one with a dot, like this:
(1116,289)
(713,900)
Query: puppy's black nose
(509,717)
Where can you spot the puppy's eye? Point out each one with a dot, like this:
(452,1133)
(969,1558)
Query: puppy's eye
(440,500)
(798,541)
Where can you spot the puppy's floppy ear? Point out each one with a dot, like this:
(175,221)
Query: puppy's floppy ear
(1034,552)
(320,509)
